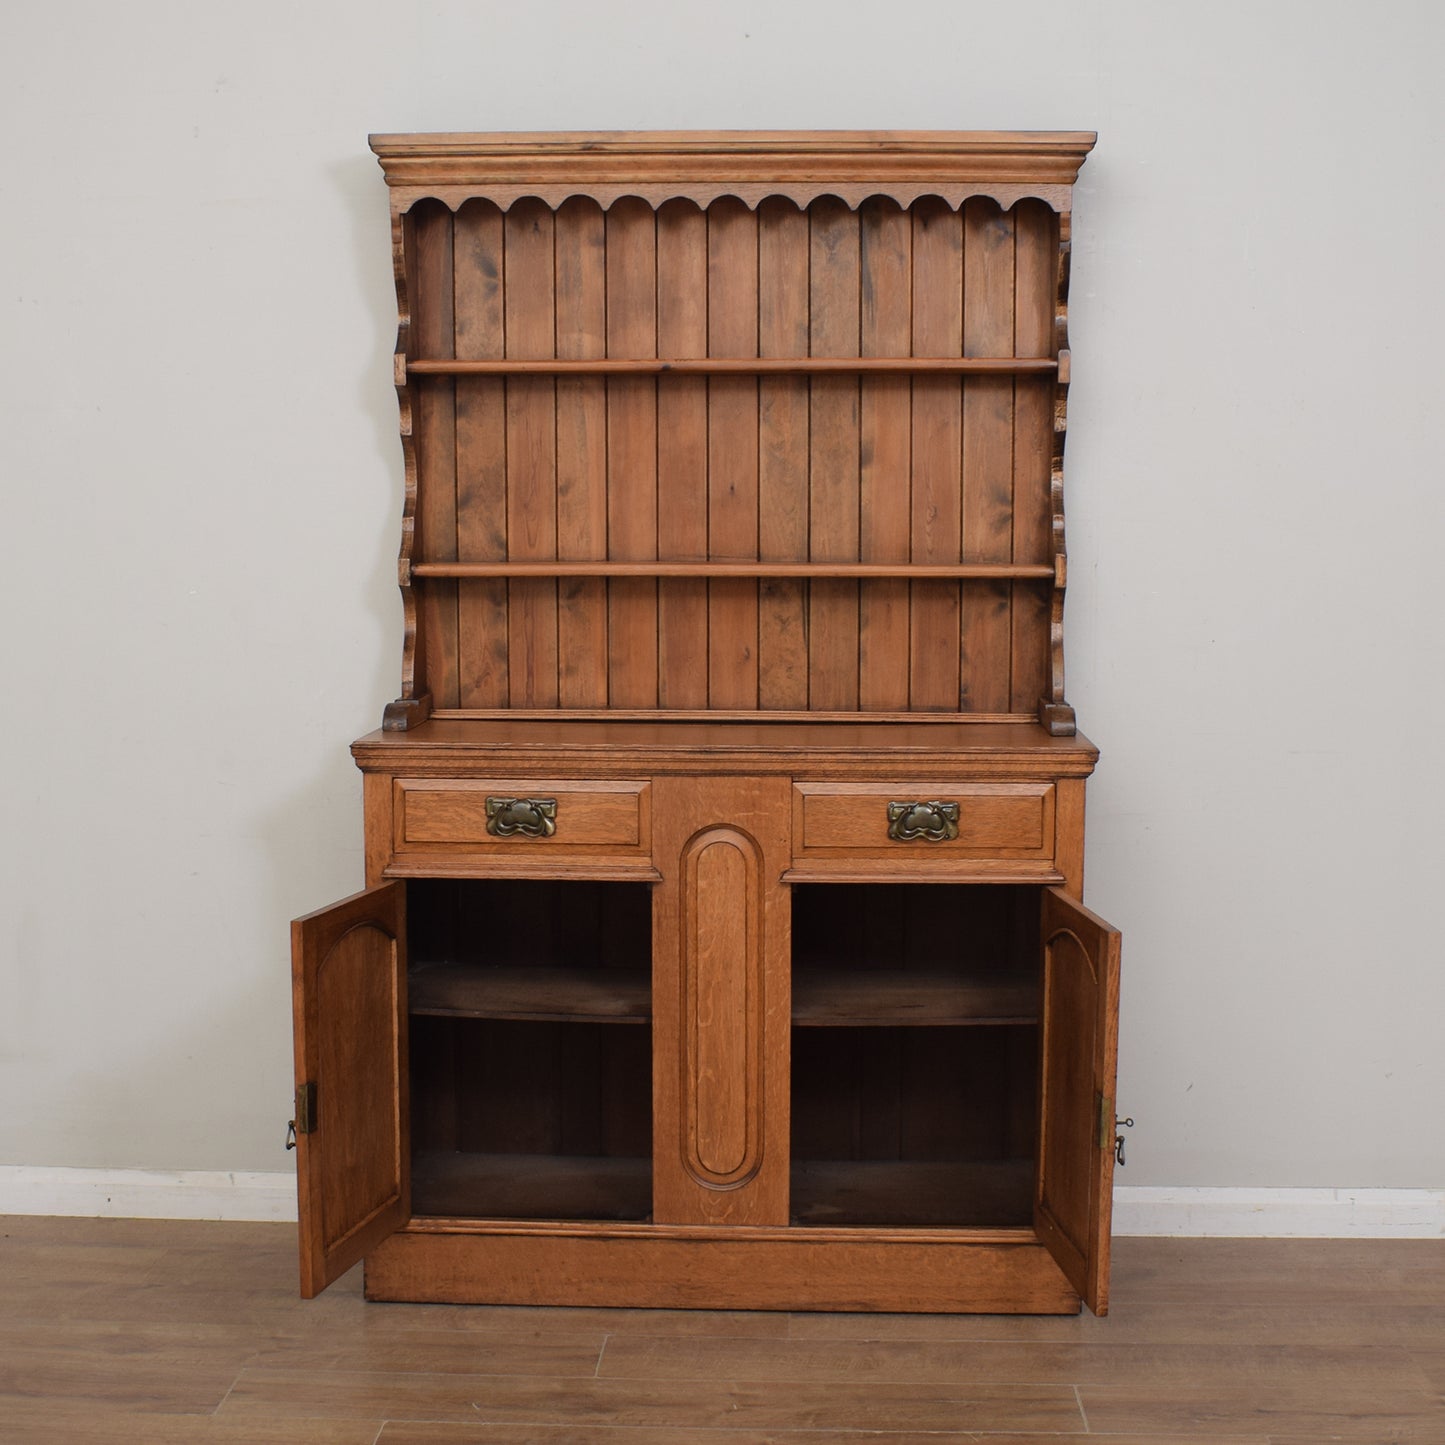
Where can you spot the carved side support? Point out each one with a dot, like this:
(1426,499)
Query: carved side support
(411,707)
(1054,712)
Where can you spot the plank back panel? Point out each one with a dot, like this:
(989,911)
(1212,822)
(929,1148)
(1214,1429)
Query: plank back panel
(632,447)
(530,321)
(682,465)
(732,453)
(481,445)
(933,663)
(987,481)
(833,293)
(885,453)
(581,261)
(904,469)
(783,437)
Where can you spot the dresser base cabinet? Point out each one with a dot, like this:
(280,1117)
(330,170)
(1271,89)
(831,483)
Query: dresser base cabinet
(713,1090)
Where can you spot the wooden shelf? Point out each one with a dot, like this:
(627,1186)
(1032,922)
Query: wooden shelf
(530,1186)
(910,571)
(912,1193)
(887,998)
(533,993)
(739,366)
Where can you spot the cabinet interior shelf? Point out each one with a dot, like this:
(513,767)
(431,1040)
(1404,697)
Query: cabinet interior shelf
(911,1193)
(737,366)
(916,572)
(822,997)
(534,993)
(925,997)
(531,1186)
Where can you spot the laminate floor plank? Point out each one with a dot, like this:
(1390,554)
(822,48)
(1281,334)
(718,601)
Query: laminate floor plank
(1220,1366)
(1189,1321)
(162,1368)
(692,1404)
(54,1422)
(403,1433)
(1363,1413)
(534,1351)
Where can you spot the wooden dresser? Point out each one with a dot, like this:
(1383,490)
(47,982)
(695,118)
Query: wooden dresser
(722,943)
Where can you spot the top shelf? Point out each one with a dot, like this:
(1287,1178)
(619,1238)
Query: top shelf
(741,366)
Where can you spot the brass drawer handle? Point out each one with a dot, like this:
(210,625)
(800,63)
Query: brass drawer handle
(931,822)
(527,817)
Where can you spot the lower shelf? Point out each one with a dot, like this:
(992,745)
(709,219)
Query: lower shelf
(530,1186)
(912,1193)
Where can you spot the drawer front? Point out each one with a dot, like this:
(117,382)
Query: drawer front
(912,826)
(521,818)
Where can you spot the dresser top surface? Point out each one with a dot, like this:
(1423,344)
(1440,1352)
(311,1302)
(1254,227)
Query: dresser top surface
(750,746)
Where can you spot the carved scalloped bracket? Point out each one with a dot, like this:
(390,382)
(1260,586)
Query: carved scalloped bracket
(1054,712)
(410,708)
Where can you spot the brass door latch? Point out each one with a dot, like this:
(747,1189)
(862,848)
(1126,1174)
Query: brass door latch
(305,1120)
(1119,1139)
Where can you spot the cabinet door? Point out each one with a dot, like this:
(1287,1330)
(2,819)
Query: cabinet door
(348,979)
(1080,1020)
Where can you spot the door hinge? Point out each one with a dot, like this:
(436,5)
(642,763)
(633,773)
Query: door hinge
(305,1120)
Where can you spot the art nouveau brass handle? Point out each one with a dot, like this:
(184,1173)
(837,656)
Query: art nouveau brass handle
(928,822)
(522,817)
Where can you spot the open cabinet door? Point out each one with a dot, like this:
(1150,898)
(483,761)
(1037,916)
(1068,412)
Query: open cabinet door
(348,979)
(1073,1205)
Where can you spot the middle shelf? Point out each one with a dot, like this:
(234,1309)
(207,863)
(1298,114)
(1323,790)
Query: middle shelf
(940,996)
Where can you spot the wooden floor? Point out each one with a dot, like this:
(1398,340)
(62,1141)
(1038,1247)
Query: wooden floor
(129,1330)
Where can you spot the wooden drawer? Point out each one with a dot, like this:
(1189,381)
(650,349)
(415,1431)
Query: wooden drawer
(912,828)
(525,825)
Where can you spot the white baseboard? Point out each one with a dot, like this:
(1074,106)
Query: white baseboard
(1183,1213)
(147,1193)
(1281,1213)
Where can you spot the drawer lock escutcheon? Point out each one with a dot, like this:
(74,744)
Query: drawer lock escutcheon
(927,822)
(521,817)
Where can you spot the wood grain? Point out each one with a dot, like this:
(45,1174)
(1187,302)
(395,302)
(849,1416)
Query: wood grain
(682,465)
(529,236)
(783,442)
(885,454)
(833,288)
(632,453)
(720,1001)
(348,964)
(481,487)
(934,673)
(988,442)
(581,319)
(732,517)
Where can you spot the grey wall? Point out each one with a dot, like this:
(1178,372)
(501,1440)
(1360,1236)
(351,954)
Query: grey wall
(202,484)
